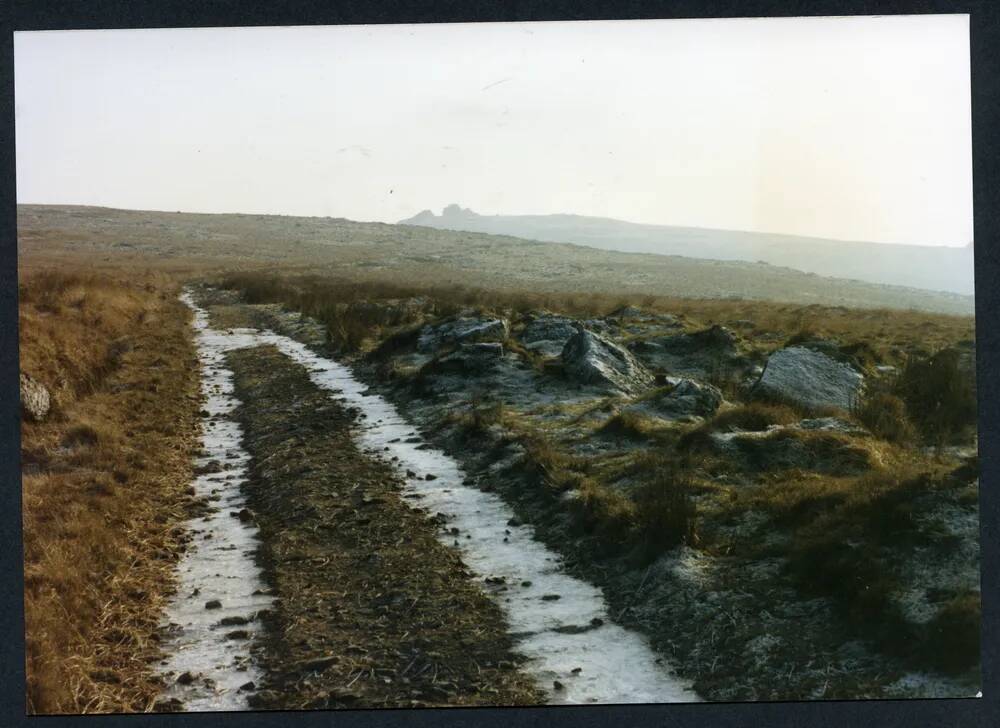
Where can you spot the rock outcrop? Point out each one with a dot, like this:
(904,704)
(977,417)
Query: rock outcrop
(783,448)
(711,352)
(474,357)
(591,359)
(35,400)
(465,330)
(548,334)
(810,378)
(683,399)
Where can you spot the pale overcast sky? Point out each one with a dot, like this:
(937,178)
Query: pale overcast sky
(853,128)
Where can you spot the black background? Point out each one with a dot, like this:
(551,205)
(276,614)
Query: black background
(985,41)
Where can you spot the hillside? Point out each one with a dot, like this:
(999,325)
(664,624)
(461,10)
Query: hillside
(383,252)
(938,268)
(519,495)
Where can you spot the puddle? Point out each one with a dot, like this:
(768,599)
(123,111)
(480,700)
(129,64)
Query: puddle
(559,622)
(218,565)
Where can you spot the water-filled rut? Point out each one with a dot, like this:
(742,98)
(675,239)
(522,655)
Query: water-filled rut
(576,653)
(211,619)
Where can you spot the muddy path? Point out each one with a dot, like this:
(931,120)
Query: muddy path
(396,581)
(371,609)
(212,619)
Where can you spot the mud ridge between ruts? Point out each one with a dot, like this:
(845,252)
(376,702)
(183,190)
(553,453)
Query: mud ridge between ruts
(371,609)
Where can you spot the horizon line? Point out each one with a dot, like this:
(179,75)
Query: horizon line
(970,244)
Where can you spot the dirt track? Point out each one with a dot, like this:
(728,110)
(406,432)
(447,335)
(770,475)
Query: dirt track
(371,610)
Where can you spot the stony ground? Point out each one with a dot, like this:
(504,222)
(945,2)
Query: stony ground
(371,610)
(728,608)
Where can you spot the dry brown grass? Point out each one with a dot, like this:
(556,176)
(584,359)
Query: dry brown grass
(752,416)
(104,481)
(884,415)
(629,424)
(607,513)
(876,333)
(879,330)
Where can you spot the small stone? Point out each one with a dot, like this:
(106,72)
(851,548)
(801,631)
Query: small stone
(185,678)
(212,466)
(247,686)
(550,597)
(213,604)
(557,685)
(429,476)
(170,705)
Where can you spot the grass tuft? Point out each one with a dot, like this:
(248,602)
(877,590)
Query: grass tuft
(753,416)
(631,425)
(940,397)
(884,414)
